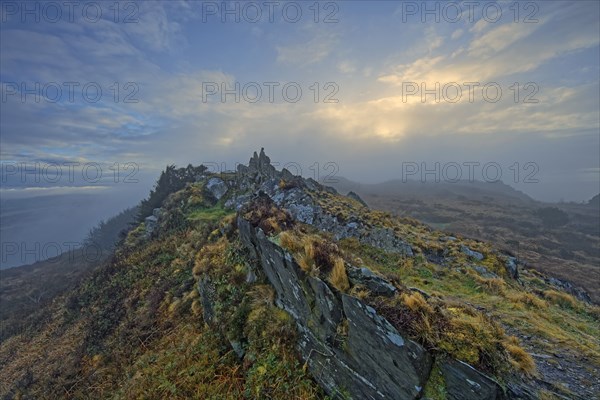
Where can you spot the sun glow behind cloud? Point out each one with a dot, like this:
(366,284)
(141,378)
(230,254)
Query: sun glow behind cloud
(171,54)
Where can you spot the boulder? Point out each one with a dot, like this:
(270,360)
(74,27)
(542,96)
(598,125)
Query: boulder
(286,175)
(471,253)
(512,267)
(569,288)
(217,187)
(150,224)
(484,272)
(374,283)
(206,290)
(464,382)
(397,367)
(386,240)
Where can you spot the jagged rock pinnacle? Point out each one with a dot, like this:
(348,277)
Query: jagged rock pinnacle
(259,168)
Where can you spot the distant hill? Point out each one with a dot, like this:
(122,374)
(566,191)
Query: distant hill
(474,190)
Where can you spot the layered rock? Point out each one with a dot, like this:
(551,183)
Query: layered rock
(371,361)
(351,350)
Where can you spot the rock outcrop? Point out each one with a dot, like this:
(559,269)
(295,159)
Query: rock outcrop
(151,222)
(356,197)
(471,253)
(261,177)
(351,350)
(372,360)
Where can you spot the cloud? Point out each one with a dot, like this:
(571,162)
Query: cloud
(346,67)
(457,34)
(170,56)
(503,50)
(311,51)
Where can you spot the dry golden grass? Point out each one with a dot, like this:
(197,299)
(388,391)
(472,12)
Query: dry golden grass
(290,241)
(527,299)
(309,248)
(360,292)
(417,303)
(210,257)
(492,285)
(518,357)
(406,264)
(196,308)
(338,276)
(307,264)
(561,299)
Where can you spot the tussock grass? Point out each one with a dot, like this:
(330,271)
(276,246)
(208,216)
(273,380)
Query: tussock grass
(561,299)
(338,276)
(518,357)
(495,286)
(415,302)
(527,299)
(211,258)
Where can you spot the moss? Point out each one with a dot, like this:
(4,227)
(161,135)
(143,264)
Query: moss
(208,215)
(435,389)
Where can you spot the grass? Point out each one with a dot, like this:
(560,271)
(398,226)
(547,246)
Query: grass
(519,358)
(561,299)
(556,319)
(134,329)
(444,323)
(511,224)
(338,276)
(208,215)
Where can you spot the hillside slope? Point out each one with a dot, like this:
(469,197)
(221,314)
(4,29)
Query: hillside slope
(25,291)
(561,240)
(259,284)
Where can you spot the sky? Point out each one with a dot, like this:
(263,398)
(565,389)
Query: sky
(98,97)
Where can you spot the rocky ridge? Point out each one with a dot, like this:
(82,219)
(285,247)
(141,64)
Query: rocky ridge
(371,359)
(257,283)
